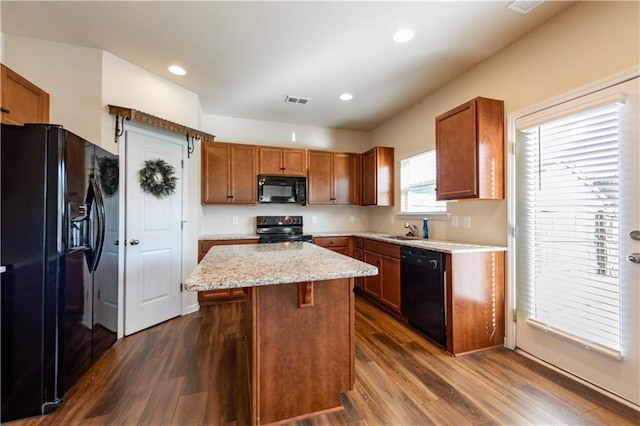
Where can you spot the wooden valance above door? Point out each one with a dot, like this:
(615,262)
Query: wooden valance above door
(151,120)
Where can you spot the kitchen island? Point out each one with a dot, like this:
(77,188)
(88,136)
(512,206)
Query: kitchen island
(299,323)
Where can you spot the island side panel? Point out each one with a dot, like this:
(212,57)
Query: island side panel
(303,357)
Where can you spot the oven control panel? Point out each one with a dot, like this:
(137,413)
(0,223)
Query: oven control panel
(279,220)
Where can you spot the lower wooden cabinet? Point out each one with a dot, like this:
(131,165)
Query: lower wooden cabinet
(475,301)
(213,297)
(340,245)
(384,287)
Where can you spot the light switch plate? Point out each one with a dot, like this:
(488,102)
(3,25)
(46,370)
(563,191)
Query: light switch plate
(314,219)
(352,219)
(235,220)
(454,221)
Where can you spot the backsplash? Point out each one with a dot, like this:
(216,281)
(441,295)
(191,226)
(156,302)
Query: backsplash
(222,219)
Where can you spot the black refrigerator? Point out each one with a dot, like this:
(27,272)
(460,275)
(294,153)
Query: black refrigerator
(59,245)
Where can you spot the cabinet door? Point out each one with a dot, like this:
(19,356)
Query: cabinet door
(369,178)
(215,185)
(457,154)
(377,176)
(373,284)
(470,151)
(345,168)
(294,162)
(390,290)
(22,101)
(270,161)
(320,185)
(243,174)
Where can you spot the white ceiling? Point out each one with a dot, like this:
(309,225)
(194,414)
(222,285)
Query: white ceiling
(244,58)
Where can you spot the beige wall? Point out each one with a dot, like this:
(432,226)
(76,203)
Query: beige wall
(586,43)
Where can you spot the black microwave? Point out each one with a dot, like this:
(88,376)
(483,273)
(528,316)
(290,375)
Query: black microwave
(282,189)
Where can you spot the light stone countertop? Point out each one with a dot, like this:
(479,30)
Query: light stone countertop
(451,247)
(249,265)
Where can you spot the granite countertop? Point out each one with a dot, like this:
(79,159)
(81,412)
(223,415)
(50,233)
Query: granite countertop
(249,265)
(451,247)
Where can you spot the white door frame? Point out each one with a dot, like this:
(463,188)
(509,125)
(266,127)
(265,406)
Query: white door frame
(510,296)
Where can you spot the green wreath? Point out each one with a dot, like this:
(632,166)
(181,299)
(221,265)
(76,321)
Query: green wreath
(157,178)
(108,169)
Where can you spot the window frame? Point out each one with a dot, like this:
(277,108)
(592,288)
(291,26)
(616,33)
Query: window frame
(430,214)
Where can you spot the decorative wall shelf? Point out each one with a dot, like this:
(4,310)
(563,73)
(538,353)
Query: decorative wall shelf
(151,120)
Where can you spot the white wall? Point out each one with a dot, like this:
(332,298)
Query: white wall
(586,43)
(218,219)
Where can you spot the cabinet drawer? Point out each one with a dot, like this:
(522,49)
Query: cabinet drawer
(391,250)
(332,241)
(214,297)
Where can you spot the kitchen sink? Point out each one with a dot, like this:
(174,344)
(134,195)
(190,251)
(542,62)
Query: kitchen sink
(403,238)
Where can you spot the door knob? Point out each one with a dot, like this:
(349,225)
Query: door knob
(634,257)
(635,235)
(134,242)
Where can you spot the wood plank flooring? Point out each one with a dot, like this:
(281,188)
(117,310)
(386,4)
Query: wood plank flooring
(192,371)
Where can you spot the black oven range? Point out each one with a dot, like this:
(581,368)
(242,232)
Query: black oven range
(280,229)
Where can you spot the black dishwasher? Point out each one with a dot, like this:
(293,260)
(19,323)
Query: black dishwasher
(423,292)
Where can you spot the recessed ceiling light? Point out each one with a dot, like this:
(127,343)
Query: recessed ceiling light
(403,35)
(177,70)
(346,97)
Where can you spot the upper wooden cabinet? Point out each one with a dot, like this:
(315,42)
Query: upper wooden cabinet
(333,178)
(470,151)
(22,101)
(282,161)
(228,173)
(377,177)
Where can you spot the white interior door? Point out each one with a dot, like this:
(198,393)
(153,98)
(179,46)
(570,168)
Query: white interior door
(570,242)
(153,250)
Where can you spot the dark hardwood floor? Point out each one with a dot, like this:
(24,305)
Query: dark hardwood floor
(192,371)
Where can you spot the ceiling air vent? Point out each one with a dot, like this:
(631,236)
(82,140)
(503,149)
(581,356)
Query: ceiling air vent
(524,6)
(296,100)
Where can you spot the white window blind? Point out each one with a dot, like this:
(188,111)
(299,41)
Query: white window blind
(570,197)
(418,184)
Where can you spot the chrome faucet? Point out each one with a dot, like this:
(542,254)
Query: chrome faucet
(413,230)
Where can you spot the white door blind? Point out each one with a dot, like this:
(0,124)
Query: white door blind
(571,202)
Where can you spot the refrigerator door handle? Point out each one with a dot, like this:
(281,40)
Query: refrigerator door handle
(101,219)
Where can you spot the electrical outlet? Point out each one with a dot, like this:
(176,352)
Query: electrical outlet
(392,219)
(235,220)
(454,221)
(314,219)
(352,219)
(466,221)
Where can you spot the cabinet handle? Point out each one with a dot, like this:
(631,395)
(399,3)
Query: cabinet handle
(4,110)
(282,168)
